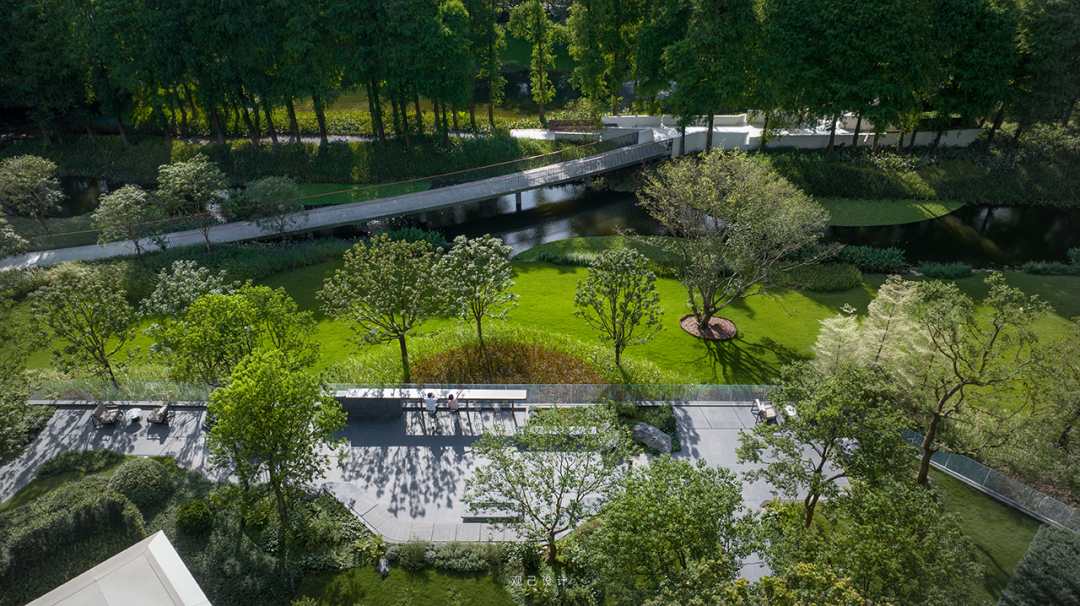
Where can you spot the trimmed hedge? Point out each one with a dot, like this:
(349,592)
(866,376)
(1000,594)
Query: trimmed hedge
(143,481)
(945,271)
(194,517)
(873,259)
(1051,268)
(62,534)
(1048,574)
(834,277)
(84,461)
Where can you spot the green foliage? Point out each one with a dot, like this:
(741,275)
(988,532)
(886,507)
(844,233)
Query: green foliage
(273,204)
(1045,575)
(502,362)
(10,242)
(413,555)
(125,214)
(274,423)
(29,187)
(873,259)
(469,557)
(1052,268)
(837,277)
(476,280)
(740,220)
(415,234)
(83,461)
(1074,256)
(194,517)
(143,481)
(61,535)
(386,291)
(552,468)
(619,300)
(945,271)
(89,315)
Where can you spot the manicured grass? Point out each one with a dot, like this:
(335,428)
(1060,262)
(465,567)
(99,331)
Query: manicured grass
(40,487)
(1000,533)
(425,588)
(849,212)
(521,51)
(346,194)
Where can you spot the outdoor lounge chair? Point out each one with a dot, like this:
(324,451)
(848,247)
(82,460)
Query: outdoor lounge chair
(105,415)
(160,415)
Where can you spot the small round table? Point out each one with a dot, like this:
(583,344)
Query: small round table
(134,414)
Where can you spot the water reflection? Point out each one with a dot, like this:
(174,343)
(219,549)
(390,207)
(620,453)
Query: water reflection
(81,195)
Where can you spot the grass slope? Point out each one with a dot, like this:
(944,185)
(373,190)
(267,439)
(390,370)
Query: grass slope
(363,586)
(347,194)
(1000,533)
(850,212)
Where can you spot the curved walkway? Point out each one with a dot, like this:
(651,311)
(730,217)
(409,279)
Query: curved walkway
(359,212)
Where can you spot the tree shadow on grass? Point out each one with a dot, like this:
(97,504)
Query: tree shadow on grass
(745,363)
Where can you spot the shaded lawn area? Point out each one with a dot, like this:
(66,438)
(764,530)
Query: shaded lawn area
(363,587)
(347,194)
(850,212)
(1000,533)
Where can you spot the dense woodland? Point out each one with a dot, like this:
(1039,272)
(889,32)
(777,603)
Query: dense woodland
(927,64)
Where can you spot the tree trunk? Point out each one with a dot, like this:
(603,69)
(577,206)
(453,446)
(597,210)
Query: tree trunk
(472,110)
(1068,113)
(251,129)
(320,115)
(293,123)
(174,125)
(618,89)
(551,549)
(764,133)
(404,360)
(618,355)
(810,503)
(876,137)
(279,496)
(420,115)
(708,134)
(480,332)
(89,130)
(937,142)
(445,125)
(191,102)
(217,125)
(900,143)
(855,137)
(405,122)
(379,112)
(994,128)
(123,133)
(491,101)
(270,124)
(183,119)
(453,118)
(257,119)
(911,142)
(682,142)
(928,449)
(832,136)
(396,115)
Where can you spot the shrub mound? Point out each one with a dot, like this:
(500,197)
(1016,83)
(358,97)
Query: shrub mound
(505,362)
(1047,574)
(836,277)
(873,259)
(194,517)
(143,481)
(945,271)
(85,461)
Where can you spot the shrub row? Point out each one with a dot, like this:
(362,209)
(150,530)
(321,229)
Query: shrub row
(945,271)
(873,259)
(833,277)
(454,556)
(61,535)
(1056,268)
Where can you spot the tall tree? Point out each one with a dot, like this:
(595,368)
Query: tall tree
(274,423)
(662,519)
(125,214)
(274,205)
(386,291)
(487,41)
(191,189)
(738,223)
(476,279)
(550,471)
(844,426)
(529,21)
(602,36)
(88,314)
(28,186)
(619,299)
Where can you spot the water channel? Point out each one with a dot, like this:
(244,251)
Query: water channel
(976,234)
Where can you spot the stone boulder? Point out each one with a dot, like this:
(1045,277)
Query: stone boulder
(384,568)
(652,437)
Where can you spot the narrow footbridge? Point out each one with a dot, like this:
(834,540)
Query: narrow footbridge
(360,212)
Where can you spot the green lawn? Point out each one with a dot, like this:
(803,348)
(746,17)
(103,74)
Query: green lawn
(345,194)
(1000,533)
(521,51)
(40,487)
(849,212)
(364,587)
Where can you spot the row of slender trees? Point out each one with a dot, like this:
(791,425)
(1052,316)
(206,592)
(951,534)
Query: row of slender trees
(888,62)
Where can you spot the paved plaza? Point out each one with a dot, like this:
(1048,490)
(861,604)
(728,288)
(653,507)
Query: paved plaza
(404,476)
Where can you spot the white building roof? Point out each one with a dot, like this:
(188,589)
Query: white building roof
(149,573)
